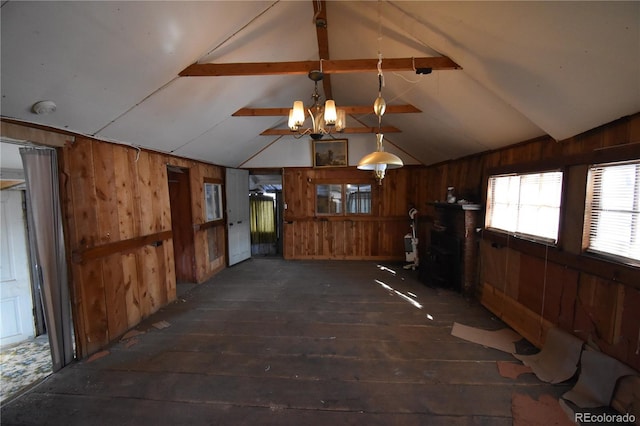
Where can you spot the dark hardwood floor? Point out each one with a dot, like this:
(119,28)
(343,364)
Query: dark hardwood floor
(274,342)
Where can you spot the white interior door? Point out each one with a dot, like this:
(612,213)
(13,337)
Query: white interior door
(16,303)
(238,215)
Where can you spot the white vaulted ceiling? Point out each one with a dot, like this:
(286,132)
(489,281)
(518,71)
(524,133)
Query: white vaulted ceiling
(527,69)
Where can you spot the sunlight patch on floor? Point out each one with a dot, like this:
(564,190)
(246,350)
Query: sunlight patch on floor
(399,293)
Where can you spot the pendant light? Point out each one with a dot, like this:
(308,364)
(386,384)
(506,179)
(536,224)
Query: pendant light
(379,160)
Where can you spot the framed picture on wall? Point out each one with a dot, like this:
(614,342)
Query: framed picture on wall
(330,153)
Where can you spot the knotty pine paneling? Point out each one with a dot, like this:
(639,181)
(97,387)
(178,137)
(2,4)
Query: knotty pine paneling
(114,194)
(132,286)
(128,205)
(598,303)
(548,289)
(377,236)
(500,268)
(106,194)
(115,295)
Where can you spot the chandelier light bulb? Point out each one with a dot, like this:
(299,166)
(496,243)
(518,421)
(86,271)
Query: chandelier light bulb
(341,120)
(330,114)
(292,121)
(298,113)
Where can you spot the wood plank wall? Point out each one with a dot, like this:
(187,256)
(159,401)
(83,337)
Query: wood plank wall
(532,287)
(117,222)
(376,236)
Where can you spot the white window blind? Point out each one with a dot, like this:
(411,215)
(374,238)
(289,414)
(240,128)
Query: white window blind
(526,205)
(612,210)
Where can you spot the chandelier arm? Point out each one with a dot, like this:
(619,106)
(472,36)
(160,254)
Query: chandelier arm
(313,121)
(300,134)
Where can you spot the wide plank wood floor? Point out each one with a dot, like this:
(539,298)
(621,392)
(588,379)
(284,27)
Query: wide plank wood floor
(274,342)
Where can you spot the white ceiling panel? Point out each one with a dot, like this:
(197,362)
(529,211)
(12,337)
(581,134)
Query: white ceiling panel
(528,69)
(558,63)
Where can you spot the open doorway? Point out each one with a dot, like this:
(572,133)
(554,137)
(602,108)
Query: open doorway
(24,345)
(181,224)
(266,213)
(25,354)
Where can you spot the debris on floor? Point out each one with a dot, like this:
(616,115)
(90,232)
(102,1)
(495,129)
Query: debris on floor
(547,411)
(97,356)
(503,339)
(558,359)
(130,342)
(512,370)
(597,381)
(131,333)
(161,324)
(626,398)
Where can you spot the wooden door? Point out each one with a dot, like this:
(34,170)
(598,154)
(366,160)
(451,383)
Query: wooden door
(238,215)
(182,224)
(16,303)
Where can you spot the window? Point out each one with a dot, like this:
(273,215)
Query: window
(527,205)
(358,199)
(330,199)
(612,210)
(213,201)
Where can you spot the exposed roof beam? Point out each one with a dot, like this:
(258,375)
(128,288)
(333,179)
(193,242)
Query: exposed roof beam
(351,110)
(383,129)
(320,14)
(337,66)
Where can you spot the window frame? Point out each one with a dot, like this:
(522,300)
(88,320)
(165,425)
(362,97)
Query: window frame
(213,201)
(589,206)
(569,250)
(343,194)
(518,233)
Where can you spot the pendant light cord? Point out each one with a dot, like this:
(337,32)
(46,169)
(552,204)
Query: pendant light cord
(380,75)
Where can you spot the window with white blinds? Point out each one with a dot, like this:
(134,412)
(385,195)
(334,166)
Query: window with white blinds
(612,210)
(526,205)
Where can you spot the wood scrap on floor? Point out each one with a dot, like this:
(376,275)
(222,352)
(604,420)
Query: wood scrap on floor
(558,359)
(503,339)
(97,356)
(545,411)
(130,342)
(161,324)
(131,333)
(512,370)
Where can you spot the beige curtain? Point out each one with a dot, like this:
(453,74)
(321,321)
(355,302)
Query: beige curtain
(48,251)
(263,223)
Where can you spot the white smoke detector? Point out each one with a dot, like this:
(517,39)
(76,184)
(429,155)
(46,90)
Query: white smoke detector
(43,107)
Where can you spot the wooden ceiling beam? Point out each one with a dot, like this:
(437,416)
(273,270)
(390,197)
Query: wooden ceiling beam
(320,15)
(329,66)
(351,130)
(351,110)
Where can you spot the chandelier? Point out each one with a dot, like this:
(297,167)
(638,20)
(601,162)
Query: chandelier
(324,118)
(379,160)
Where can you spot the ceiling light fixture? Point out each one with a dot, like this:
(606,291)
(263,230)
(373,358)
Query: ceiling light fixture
(379,160)
(324,118)
(43,107)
